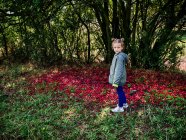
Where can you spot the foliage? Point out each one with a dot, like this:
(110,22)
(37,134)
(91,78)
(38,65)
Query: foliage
(47,32)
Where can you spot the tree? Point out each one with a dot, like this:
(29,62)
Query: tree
(46,32)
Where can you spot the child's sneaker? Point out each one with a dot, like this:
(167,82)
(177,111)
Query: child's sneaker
(117,109)
(125,105)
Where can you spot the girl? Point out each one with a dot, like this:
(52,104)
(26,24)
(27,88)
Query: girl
(117,75)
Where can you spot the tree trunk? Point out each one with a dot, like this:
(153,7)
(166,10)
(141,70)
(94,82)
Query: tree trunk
(102,16)
(133,48)
(115,21)
(5,44)
(88,41)
(88,33)
(125,8)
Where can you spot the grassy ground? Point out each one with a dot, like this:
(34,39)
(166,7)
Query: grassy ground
(55,115)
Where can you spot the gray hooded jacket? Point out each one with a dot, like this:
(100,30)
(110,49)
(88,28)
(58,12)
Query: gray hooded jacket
(118,69)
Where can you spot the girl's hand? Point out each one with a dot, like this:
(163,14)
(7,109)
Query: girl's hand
(115,85)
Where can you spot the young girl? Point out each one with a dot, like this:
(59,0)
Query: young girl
(117,75)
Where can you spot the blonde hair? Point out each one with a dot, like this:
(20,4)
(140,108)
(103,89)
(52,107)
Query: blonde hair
(116,40)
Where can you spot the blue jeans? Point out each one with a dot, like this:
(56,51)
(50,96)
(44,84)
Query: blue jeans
(121,96)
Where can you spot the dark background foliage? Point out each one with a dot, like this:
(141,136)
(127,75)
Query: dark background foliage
(53,31)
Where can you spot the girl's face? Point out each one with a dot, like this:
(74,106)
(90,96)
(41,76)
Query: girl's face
(117,47)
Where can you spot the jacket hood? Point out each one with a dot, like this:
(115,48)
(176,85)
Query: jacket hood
(122,54)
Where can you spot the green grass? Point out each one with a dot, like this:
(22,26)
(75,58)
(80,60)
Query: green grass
(41,117)
(46,117)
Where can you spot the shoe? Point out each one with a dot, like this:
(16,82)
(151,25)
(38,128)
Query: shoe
(117,109)
(125,105)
